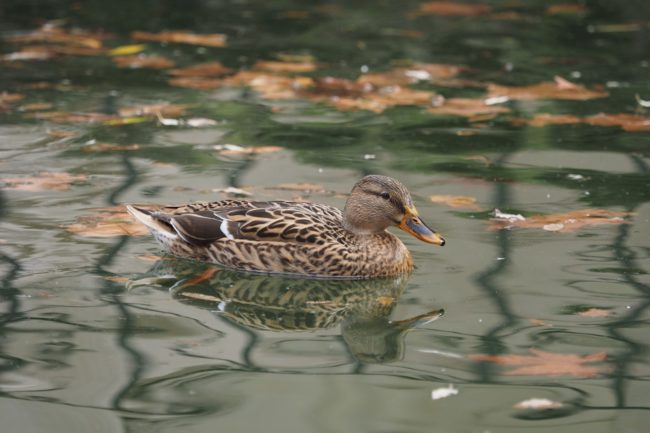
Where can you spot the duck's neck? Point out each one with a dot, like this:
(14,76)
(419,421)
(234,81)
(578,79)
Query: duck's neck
(363,222)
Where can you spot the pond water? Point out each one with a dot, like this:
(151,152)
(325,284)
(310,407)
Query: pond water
(101,332)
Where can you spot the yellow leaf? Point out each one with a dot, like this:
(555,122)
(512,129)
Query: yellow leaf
(126,50)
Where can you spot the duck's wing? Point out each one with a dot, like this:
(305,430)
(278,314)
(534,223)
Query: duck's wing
(202,224)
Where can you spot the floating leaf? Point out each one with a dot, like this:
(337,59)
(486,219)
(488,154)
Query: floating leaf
(629,122)
(595,312)
(7,99)
(233,149)
(448,8)
(302,187)
(126,50)
(558,89)
(456,201)
(36,106)
(231,190)
(139,61)
(59,181)
(212,69)
(30,53)
(566,8)
(108,222)
(565,222)
(538,403)
(63,117)
(208,40)
(418,72)
(284,67)
(109,147)
(466,107)
(163,109)
(198,83)
(542,363)
(56,35)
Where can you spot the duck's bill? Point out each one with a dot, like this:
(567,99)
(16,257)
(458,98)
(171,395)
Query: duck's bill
(412,224)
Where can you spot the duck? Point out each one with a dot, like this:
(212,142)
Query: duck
(301,239)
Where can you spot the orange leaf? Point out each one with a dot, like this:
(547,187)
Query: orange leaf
(60,181)
(466,107)
(559,89)
(566,222)
(138,61)
(595,312)
(565,8)
(108,222)
(109,147)
(456,201)
(290,67)
(209,40)
(448,8)
(212,69)
(542,363)
(199,83)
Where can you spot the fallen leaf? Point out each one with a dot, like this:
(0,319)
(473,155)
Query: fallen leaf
(108,222)
(566,8)
(558,89)
(466,107)
(629,122)
(302,187)
(456,201)
(233,149)
(208,40)
(36,106)
(448,8)
(542,363)
(152,110)
(565,222)
(198,83)
(59,181)
(116,279)
(231,190)
(30,53)
(57,133)
(538,403)
(543,119)
(539,322)
(212,69)
(53,34)
(7,99)
(63,117)
(126,50)
(139,61)
(443,392)
(595,312)
(109,147)
(284,66)
(270,86)
(431,72)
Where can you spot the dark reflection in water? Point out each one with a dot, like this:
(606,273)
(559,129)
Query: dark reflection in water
(270,303)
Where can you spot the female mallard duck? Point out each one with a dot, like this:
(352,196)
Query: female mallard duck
(296,238)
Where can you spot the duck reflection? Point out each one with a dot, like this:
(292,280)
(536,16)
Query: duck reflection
(362,308)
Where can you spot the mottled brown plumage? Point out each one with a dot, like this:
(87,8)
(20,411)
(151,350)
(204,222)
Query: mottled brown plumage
(296,238)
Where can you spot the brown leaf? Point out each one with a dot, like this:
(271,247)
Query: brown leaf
(284,67)
(543,119)
(542,363)
(56,35)
(456,201)
(595,312)
(466,107)
(9,98)
(38,53)
(559,89)
(164,109)
(36,106)
(209,40)
(44,181)
(448,8)
(566,222)
(63,117)
(232,149)
(108,222)
(418,72)
(270,86)
(203,70)
(116,278)
(629,122)
(109,147)
(302,187)
(566,8)
(139,61)
(199,83)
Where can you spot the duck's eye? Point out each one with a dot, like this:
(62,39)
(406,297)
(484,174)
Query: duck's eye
(384,195)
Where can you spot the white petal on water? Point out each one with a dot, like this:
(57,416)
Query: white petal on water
(538,403)
(444,392)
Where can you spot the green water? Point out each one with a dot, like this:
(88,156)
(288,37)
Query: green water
(95,335)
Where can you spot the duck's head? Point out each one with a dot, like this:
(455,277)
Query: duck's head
(378,202)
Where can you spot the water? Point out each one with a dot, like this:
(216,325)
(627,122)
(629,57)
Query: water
(98,335)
